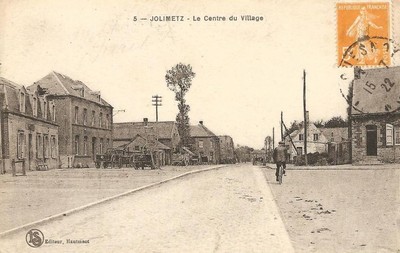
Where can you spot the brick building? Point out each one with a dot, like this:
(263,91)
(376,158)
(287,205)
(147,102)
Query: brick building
(375,116)
(227,149)
(85,121)
(205,143)
(29,131)
(165,132)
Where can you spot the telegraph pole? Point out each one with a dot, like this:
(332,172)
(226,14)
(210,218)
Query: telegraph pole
(273,138)
(305,117)
(157,102)
(281,126)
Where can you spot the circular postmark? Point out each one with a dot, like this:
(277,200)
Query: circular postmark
(34,238)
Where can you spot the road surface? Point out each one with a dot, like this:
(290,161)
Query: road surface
(225,210)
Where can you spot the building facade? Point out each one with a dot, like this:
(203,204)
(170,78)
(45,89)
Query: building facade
(85,121)
(205,144)
(375,116)
(227,149)
(165,132)
(29,131)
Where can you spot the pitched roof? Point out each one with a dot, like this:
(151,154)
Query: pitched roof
(139,141)
(376,90)
(337,133)
(59,84)
(128,130)
(200,131)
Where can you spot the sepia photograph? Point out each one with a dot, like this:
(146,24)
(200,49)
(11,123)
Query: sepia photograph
(200,126)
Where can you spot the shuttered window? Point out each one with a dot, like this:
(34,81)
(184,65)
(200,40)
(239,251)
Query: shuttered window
(389,135)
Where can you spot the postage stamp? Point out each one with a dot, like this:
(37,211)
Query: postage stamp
(363,32)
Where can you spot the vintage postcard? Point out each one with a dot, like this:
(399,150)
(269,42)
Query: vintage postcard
(199,126)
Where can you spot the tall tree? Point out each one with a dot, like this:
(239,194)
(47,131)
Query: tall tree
(179,79)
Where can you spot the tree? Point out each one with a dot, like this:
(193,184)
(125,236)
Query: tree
(336,121)
(319,123)
(293,127)
(179,79)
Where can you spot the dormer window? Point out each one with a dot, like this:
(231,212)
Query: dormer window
(82,92)
(44,109)
(35,106)
(54,112)
(22,102)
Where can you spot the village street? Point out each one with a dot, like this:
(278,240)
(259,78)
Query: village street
(240,208)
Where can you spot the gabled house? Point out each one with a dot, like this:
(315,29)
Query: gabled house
(165,132)
(205,143)
(375,116)
(140,144)
(29,131)
(85,120)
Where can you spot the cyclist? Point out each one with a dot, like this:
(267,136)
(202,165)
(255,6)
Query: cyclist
(280,156)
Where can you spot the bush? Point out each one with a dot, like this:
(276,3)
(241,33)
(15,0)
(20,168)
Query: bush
(319,159)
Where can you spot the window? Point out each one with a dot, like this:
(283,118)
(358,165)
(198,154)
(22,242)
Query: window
(84,116)
(101,120)
(389,135)
(301,137)
(39,145)
(397,136)
(85,145)
(107,121)
(45,110)
(200,143)
(211,144)
(332,139)
(108,143)
(299,150)
(45,146)
(53,146)
(20,144)
(76,114)
(76,145)
(93,118)
(137,148)
(34,105)
(82,92)
(54,112)
(22,102)
(315,137)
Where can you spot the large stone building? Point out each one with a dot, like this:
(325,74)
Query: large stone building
(85,120)
(205,144)
(29,131)
(165,132)
(227,149)
(376,116)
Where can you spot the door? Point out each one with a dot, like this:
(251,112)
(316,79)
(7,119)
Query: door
(372,140)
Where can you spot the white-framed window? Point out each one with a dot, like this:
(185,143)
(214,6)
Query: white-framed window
(201,144)
(389,135)
(301,137)
(93,118)
(397,136)
(76,114)
(54,112)
(39,146)
(101,120)
(315,137)
(107,121)
(20,144)
(45,110)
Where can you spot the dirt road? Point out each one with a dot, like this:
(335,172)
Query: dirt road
(225,210)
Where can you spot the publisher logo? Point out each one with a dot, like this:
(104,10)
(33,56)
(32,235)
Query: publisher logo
(34,238)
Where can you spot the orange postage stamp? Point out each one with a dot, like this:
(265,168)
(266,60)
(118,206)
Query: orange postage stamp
(363,34)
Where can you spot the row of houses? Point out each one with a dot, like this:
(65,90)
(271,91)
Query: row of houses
(374,135)
(59,122)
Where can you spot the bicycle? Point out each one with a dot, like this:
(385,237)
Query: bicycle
(280,173)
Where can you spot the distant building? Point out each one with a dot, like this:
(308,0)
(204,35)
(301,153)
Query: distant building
(227,149)
(29,130)
(85,119)
(165,132)
(205,143)
(376,116)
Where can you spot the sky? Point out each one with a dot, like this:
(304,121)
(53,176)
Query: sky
(246,72)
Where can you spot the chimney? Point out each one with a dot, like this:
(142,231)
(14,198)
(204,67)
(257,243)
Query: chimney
(201,122)
(145,121)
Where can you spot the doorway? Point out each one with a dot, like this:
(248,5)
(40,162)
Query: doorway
(372,140)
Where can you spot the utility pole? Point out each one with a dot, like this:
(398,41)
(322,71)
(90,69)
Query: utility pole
(157,102)
(281,126)
(305,117)
(273,138)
